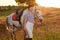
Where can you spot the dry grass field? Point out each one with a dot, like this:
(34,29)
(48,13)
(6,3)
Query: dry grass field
(48,30)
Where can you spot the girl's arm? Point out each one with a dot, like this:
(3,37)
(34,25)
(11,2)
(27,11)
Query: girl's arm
(25,21)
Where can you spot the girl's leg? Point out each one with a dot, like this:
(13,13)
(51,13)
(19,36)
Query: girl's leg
(25,35)
(29,28)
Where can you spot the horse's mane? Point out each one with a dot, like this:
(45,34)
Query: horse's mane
(20,14)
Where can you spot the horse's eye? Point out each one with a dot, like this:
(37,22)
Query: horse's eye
(37,12)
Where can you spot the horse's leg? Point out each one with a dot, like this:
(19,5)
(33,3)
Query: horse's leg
(13,35)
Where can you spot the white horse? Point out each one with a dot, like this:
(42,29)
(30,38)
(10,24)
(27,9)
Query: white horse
(18,23)
(14,25)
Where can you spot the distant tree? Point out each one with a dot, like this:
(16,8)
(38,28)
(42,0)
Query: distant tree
(9,7)
(25,1)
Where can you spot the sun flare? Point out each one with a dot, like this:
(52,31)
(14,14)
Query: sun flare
(46,3)
(49,3)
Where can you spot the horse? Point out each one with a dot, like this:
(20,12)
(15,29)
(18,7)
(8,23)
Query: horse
(20,19)
(15,23)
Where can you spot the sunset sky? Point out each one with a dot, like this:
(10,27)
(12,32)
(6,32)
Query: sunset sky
(46,3)
(49,3)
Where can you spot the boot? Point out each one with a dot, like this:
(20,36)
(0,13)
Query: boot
(26,39)
(30,39)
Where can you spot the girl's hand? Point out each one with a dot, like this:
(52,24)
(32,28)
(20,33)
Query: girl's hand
(24,28)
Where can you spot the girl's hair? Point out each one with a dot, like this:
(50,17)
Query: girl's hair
(30,6)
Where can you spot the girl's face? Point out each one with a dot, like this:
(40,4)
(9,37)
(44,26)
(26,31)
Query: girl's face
(31,9)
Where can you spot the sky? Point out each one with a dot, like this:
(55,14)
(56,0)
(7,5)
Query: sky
(46,3)
(7,2)
(49,3)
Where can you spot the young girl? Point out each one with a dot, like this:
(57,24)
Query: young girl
(28,23)
(29,20)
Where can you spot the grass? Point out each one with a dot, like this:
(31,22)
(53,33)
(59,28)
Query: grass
(53,15)
(49,30)
(6,13)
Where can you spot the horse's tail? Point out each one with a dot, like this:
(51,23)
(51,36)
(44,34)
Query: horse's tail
(7,23)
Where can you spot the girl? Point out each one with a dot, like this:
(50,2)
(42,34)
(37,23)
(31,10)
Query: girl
(28,23)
